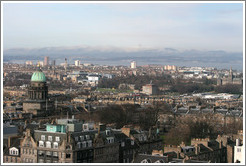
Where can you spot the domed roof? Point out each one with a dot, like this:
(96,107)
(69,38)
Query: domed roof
(38,76)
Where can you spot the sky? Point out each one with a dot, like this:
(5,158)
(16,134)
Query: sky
(201,26)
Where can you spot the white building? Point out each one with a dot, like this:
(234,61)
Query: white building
(133,65)
(238,152)
(29,63)
(93,79)
(77,63)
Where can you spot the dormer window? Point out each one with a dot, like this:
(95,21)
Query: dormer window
(50,138)
(57,139)
(13,151)
(107,132)
(43,137)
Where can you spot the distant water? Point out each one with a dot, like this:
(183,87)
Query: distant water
(236,66)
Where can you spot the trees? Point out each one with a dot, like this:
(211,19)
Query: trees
(229,88)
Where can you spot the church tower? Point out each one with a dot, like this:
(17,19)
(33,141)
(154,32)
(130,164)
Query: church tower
(38,89)
(37,103)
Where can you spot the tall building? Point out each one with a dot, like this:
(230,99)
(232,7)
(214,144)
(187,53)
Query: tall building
(37,102)
(46,61)
(53,63)
(65,66)
(133,65)
(150,89)
(77,63)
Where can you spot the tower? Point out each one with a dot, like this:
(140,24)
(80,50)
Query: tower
(133,64)
(65,65)
(37,102)
(46,61)
(77,63)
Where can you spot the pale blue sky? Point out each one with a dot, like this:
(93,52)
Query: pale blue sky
(181,26)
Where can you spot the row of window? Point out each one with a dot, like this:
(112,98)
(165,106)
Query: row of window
(48,144)
(50,138)
(27,151)
(126,152)
(82,138)
(123,143)
(10,159)
(84,144)
(46,161)
(27,160)
(48,153)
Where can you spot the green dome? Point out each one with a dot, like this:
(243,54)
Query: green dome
(38,76)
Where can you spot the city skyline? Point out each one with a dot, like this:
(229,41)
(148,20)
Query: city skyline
(202,26)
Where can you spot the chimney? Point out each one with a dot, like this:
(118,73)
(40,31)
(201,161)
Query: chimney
(178,154)
(237,142)
(197,149)
(220,144)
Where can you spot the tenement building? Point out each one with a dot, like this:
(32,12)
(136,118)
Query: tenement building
(71,141)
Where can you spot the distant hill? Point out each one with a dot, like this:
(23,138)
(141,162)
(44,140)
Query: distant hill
(107,55)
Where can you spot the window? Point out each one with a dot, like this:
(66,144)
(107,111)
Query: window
(107,132)
(87,137)
(78,145)
(82,138)
(84,144)
(48,153)
(43,137)
(50,138)
(132,142)
(90,143)
(57,139)
(68,155)
(76,139)
(7,159)
(41,143)
(55,154)
(48,144)
(238,150)
(122,144)
(41,153)
(40,160)
(55,145)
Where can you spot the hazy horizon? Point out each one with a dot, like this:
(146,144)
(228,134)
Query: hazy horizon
(202,26)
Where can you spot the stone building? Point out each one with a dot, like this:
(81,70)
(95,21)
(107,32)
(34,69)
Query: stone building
(37,103)
(150,89)
(230,79)
(200,149)
(147,141)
